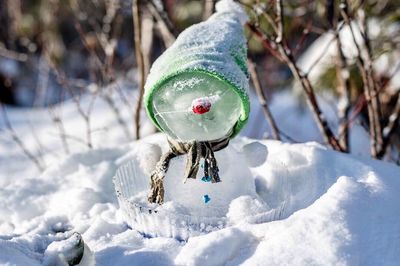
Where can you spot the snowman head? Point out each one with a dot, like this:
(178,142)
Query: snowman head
(196,106)
(197,89)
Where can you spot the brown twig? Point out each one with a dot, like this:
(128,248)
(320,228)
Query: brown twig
(263,100)
(60,126)
(86,115)
(388,131)
(111,103)
(286,55)
(161,11)
(4,52)
(106,76)
(19,142)
(375,101)
(139,61)
(303,37)
(163,24)
(369,87)
(279,21)
(147,39)
(343,88)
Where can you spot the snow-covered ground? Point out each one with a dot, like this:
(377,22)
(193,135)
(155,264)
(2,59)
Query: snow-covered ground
(282,204)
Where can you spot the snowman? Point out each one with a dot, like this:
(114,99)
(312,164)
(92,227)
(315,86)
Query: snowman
(196,93)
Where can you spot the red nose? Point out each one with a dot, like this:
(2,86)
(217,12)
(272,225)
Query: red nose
(201,106)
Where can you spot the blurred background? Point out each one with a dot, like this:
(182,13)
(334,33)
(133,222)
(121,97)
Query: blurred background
(57,52)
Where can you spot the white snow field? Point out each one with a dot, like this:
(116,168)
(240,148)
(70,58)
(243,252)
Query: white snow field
(284,204)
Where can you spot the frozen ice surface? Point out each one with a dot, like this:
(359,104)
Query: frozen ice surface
(173,107)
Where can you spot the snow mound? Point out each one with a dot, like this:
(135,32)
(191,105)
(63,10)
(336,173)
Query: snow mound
(302,204)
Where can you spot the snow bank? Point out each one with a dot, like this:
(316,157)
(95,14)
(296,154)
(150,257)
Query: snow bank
(310,206)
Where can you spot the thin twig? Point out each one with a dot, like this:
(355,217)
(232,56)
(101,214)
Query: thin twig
(343,88)
(263,100)
(166,32)
(18,140)
(86,115)
(139,61)
(388,131)
(12,54)
(60,126)
(161,10)
(147,39)
(279,21)
(372,106)
(109,100)
(375,101)
(362,102)
(287,56)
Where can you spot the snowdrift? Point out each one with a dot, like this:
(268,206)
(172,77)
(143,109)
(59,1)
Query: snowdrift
(297,204)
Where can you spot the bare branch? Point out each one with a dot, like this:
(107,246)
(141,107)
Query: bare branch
(343,77)
(43,80)
(63,81)
(18,140)
(263,100)
(279,21)
(12,54)
(373,105)
(286,55)
(162,23)
(60,126)
(139,61)
(109,100)
(147,39)
(161,11)
(388,131)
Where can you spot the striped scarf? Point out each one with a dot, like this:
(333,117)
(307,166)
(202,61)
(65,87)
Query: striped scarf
(196,150)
